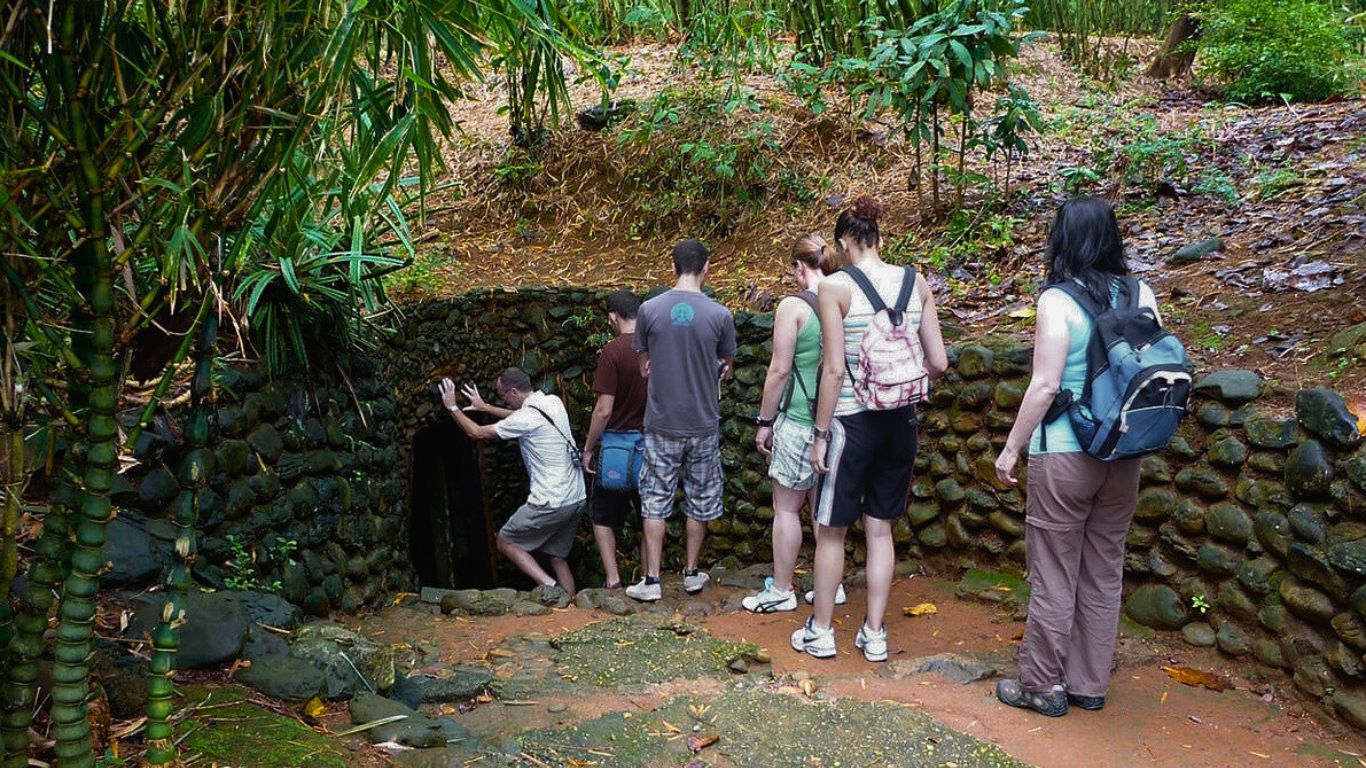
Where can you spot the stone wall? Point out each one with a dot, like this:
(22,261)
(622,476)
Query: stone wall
(312,464)
(1250,531)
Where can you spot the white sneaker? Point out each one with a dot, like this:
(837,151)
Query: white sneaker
(693,583)
(840,597)
(873,644)
(819,643)
(645,592)
(770,600)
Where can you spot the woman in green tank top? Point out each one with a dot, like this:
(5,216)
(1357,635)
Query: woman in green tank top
(785,419)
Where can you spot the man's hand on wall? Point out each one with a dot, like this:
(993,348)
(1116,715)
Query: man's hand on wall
(447,388)
(476,401)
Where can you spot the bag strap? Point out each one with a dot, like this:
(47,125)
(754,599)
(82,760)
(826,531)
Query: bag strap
(809,297)
(895,313)
(866,285)
(907,286)
(572,447)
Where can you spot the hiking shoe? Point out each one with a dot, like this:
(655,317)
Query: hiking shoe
(770,600)
(694,582)
(644,591)
(872,643)
(840,597)
(819,643)
(1089,703)
(1052,704)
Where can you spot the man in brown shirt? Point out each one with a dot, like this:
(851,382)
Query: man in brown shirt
(620,408)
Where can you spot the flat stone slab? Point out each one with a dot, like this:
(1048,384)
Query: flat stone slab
(956,667)
(759,728)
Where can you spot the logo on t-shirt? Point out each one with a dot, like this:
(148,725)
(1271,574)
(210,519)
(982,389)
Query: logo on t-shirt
(682,313)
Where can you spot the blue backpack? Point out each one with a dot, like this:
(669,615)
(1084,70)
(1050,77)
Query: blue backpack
(1138,380)
(620,460)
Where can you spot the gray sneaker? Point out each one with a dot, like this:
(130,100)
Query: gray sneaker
(840,597)
(695,581)
(770,600)
(645,592)
(1052,704)
(819,643)
(873,644)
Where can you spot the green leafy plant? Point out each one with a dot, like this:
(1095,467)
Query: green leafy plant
(1215,182)
(1271,184)
(1267,51)
(707,153)
(1199,603)
(247,572)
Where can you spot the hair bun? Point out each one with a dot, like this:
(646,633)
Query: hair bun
(866,208)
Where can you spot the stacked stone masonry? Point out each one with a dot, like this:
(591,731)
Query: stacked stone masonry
(1249,534)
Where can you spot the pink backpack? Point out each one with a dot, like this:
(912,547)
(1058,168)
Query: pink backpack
(891,363)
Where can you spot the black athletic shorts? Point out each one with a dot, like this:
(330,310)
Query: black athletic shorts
(870,457)
(610,508)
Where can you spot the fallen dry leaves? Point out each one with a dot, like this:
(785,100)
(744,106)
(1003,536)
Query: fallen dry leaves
(1198,678)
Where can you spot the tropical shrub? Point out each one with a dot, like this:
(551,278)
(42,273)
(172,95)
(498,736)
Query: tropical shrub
(1268,50)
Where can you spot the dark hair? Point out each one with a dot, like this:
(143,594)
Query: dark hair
(690,256)
(859,222)
(623,303)
(515,379)
(813,251)
(1084,244)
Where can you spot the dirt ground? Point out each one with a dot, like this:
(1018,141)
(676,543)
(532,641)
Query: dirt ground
(1149,718)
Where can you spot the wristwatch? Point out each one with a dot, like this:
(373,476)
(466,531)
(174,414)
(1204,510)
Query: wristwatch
(761,421)
(820,434)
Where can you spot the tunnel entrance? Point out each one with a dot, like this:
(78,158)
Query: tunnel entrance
(451,539)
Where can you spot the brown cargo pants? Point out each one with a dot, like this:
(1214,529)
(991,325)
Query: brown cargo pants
(1077,516)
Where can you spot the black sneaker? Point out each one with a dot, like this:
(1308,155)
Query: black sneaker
(1089,703)
(1052,704)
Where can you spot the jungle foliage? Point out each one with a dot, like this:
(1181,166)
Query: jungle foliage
(167,165)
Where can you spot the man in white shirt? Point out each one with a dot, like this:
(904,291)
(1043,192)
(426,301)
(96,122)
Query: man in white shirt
(549,520)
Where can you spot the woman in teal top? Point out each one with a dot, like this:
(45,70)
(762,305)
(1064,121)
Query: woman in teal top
(1078,508)
(785,419)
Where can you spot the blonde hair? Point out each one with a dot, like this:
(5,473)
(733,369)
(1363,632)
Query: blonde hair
(813,251)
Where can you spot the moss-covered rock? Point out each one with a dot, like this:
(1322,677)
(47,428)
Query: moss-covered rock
(1213,415)
(1157,606)
(1324,413)
(1228,522)
(1231,385)
(1203,481)
(1306,602)
(975,361)
(1308,471)
(1199,634)
(1217,559)
(1231,639)
(1228,452)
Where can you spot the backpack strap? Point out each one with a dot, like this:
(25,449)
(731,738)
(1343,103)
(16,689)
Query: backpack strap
(907,287)
(866,286)
(808,296)
(895,313)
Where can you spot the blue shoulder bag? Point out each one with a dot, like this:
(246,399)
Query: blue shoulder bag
(620,459)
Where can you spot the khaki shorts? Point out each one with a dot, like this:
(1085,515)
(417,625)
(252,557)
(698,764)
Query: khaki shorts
(790,464)
(551,530)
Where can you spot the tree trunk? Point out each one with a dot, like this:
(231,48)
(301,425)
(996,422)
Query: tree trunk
(1176,57)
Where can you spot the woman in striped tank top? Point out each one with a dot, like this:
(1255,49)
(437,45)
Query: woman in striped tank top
(864,453)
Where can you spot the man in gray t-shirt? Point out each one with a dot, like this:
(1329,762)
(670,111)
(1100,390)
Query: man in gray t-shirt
(686,343)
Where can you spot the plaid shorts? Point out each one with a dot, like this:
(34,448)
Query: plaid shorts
(790,465)
(697,460)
